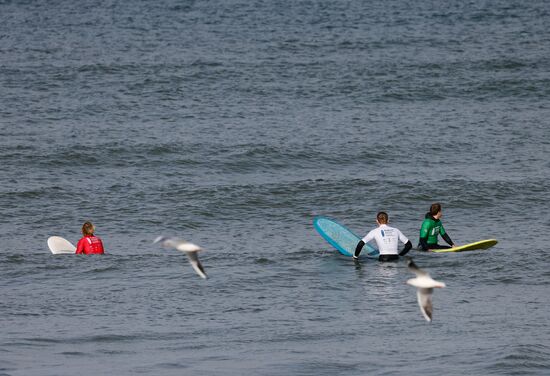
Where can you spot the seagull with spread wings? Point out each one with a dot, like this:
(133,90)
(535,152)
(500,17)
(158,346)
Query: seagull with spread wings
(425,285)
(188,248)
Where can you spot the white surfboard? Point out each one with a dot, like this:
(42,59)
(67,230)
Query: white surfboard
(59,245)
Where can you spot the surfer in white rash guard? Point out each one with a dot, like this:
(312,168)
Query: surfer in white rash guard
(386,238)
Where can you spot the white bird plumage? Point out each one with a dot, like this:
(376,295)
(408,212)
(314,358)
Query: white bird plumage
(190,250)
(425,285)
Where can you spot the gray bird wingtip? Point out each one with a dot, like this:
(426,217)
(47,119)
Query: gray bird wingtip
(158,239)
(410,263)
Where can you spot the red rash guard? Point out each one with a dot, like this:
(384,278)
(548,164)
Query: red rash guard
(90,245)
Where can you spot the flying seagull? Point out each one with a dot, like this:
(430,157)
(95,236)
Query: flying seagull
(425,285)
(190,250)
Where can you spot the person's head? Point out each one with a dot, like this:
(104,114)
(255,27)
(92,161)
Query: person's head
(435,210)
(382,218)
(88,229)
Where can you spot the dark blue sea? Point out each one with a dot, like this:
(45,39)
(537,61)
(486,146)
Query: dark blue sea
(233,124)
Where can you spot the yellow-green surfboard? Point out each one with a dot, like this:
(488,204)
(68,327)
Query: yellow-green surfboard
(482,244)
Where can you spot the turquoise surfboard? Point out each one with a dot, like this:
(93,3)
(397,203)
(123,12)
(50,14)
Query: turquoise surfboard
(341,238)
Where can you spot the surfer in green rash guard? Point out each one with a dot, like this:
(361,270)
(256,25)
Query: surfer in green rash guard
(431,229)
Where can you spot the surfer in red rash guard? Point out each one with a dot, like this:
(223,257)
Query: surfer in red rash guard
(89,244)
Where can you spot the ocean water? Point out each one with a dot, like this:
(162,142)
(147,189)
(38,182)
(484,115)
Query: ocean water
(233,124)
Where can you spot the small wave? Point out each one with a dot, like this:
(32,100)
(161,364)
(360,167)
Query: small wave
(54,266)
(73,353)
(527,357)
(15,259)
(107,68)
(264,261)
(107,338)
(103,269)
(43,192)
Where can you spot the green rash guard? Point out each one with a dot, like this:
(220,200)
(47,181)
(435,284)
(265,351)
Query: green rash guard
(431,228)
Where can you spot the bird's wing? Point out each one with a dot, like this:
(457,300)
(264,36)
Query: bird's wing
(187,247)
(414,268)
(425,302)
(168,242)
(159,239)
(196,264)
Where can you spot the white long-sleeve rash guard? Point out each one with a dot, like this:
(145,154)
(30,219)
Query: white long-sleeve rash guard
(386,238)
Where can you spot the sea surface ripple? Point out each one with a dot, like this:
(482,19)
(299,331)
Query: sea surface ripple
(233,124)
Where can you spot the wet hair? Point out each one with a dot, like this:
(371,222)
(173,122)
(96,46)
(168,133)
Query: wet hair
(382,217)
(88,228)
(435,208)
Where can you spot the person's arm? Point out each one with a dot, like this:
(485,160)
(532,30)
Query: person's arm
(447,238)
(362,243)
(358,249)
(407,248)
(101,248)
(406,241)
(79,247)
